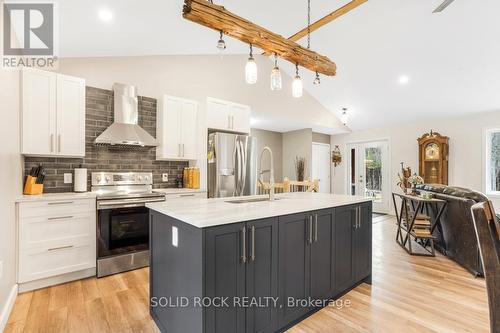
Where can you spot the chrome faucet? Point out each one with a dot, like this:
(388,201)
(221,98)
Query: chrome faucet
(270,171)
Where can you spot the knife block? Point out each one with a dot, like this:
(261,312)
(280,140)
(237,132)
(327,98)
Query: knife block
(31,187)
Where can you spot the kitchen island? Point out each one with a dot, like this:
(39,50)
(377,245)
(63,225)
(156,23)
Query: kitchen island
(250,265)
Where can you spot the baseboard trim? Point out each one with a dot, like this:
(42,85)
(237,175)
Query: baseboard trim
(7,309)
(55,280)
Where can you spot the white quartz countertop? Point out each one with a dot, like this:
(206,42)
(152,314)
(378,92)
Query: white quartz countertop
(168,191)
(56,196)
(203,213)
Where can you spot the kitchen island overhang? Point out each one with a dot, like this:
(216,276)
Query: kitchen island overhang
(294,255)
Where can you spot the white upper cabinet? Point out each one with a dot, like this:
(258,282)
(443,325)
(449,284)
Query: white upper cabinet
(176,129)
(53,114)
(228,116)
(70,116)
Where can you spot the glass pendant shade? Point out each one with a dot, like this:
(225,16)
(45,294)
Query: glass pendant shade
(276,79)
(221,45)
(251,71)
(317,80)
(297,86)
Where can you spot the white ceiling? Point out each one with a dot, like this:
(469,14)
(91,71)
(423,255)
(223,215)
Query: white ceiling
(452,58)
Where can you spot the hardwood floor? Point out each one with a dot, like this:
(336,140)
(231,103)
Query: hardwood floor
(409,293)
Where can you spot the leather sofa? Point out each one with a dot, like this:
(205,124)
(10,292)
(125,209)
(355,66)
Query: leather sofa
(456,237)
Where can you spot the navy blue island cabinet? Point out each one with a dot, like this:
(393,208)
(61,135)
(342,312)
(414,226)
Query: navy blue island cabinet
(256,276)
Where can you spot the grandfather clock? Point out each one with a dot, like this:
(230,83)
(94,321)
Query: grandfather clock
(433,158)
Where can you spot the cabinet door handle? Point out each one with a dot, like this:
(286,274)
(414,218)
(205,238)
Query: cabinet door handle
(183,150)
(60,248)
(355,226)
(252,255)
(359,217)
(60,218)
(59,143)
(186,195)
(232,122)
(52,143)
(179,149)
(315,227)
(243,245)
(228,122)
(310,229)
(60,203)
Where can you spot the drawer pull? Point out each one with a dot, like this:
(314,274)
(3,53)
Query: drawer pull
(187,195)
(60,218)
(61,203)
(60,248)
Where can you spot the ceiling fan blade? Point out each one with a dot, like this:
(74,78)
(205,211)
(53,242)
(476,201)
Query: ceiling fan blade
(443,6)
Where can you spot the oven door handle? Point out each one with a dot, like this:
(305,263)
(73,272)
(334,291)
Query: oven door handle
(126,203)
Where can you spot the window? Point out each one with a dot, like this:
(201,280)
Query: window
(492,171)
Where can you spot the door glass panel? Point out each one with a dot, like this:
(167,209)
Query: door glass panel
(373,173)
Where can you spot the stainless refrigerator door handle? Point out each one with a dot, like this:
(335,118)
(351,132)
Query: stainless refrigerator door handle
(243,245)
(252,255)
(315,227)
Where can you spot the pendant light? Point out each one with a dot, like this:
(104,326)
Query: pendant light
(251,69)
(297,86)
(221,44)
(276,75)
(317,80)
(344,118)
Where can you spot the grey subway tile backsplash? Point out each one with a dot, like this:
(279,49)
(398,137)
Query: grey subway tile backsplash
(98,116)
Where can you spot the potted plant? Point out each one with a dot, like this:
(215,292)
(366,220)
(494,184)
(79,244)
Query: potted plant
(300,166)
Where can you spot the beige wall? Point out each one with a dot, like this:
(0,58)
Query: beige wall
(196,77)
(10,180)
(273,140)
(321,138)
(297,143)
(465,158)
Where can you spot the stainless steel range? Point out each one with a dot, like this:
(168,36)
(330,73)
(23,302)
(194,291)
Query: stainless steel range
(123,220)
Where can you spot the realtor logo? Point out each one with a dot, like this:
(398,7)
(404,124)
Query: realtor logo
(28,35)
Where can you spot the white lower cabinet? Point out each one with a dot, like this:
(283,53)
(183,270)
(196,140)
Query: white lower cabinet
(55,237)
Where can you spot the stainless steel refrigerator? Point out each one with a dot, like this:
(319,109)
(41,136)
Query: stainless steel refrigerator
(232,165)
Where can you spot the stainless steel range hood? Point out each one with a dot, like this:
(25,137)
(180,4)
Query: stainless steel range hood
(125,130)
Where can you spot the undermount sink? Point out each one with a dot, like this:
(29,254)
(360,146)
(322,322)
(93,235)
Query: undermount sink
(240,201)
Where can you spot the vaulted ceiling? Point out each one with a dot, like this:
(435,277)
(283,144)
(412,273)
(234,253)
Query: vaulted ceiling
(451,60)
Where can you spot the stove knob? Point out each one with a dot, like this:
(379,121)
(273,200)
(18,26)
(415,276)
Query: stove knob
(147,178)
(98,179)
(140,178)
(107,179)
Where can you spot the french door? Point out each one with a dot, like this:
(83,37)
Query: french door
(368,172)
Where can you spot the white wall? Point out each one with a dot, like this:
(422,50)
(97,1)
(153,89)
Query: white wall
(297,143)
(196,77)
(10,179)
(465,157)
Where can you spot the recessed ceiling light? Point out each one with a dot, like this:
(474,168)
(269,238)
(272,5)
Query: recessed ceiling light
(105,15)
(404,79)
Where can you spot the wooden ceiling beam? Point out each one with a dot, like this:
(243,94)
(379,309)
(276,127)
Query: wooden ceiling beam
(328,18)
(218,18)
